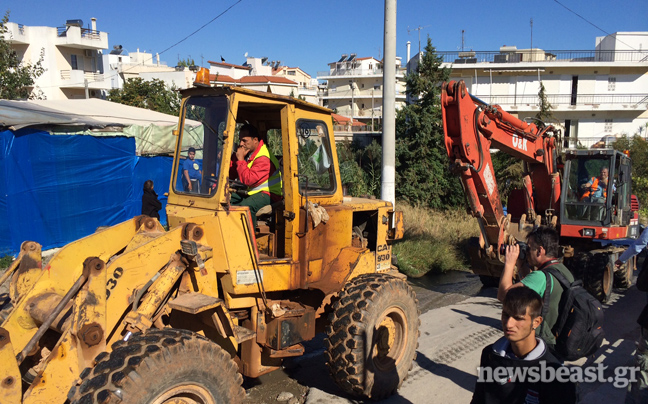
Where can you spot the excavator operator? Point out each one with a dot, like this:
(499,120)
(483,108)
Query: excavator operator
(596,187)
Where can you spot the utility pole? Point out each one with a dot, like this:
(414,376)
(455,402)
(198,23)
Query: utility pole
(389,104)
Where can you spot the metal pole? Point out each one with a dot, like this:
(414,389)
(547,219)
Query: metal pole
(352,103)
(389,104)
(85,83)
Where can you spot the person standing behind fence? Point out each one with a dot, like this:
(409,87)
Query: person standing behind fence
(150,203)
(638,389)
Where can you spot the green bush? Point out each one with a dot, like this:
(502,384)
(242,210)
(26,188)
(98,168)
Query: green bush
(5,261)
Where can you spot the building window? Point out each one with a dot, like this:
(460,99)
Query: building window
(611,83)
(608,126)
(376,86)
(73,62)
(574,90)
(362,105)
(291,73)
(362,85)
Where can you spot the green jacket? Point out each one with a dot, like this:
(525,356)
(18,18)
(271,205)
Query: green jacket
(537,281)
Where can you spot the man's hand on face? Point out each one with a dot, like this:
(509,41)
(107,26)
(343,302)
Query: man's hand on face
(240,153)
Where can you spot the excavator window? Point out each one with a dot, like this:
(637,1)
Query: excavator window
(200,155)
(588,189)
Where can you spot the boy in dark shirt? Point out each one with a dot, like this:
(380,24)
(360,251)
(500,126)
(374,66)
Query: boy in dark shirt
(513,368)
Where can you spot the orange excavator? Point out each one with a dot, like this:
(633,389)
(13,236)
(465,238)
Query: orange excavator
(585,194)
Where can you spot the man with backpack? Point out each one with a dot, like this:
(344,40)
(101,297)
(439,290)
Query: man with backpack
(542,254)
(573,317)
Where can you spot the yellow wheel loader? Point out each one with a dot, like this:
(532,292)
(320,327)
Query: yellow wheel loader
(135,313)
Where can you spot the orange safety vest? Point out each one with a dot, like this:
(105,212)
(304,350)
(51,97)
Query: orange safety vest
(273,184)
(594,186)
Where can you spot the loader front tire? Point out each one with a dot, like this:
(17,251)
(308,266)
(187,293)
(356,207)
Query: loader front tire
(161,367)
(372,335)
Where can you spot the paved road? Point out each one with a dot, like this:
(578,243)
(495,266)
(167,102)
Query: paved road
(455,326)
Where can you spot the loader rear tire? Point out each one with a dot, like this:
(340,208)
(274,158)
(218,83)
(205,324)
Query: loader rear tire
(372,335)
(599,278)
(161,367)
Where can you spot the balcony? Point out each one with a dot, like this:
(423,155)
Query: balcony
(567,102)
(82,38)
(331,94)
(77,79)
(358,72)
(16,34)
(457,59)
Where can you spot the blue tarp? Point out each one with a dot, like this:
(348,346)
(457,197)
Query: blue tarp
(57,189)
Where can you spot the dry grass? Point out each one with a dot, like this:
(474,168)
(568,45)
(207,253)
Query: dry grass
(434,240)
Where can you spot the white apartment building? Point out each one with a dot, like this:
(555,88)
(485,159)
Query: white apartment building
(71,57)
(306,84)
(597,94)
(120,65)
(354,88)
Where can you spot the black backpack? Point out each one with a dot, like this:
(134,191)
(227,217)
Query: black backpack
(579,327)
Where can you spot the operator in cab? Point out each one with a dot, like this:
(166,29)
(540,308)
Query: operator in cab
(596,187)
(258,169)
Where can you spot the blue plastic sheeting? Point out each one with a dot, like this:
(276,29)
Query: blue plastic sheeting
(57,189)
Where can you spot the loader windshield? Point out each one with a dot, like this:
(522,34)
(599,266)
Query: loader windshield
(199,158)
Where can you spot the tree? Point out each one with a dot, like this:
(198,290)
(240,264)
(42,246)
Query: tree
(545,115)
(154,95)
(637,147)
(422,174)
(186,62)
(17,78)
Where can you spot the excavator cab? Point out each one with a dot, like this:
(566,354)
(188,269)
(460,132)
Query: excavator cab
(597,189)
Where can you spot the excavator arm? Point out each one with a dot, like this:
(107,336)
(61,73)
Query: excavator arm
(471,129)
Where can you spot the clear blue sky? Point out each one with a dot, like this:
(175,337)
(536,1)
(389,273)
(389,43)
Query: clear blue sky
(312,33)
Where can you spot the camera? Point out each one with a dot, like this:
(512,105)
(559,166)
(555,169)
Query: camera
(524,249)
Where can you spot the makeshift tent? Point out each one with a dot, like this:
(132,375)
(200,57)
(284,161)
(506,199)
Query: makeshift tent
(57,185)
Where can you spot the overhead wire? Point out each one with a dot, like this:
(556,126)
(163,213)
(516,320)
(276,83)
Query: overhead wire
(159,53)
(594,25)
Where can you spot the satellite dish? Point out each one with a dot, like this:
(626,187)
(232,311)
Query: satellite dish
(245,55)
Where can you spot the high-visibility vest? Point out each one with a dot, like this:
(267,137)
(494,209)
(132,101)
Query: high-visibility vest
(273,184)
(594,186)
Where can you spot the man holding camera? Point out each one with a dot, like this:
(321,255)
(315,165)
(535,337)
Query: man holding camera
(542,251)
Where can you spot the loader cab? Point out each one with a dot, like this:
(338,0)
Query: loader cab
(298,134)
(597,188)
